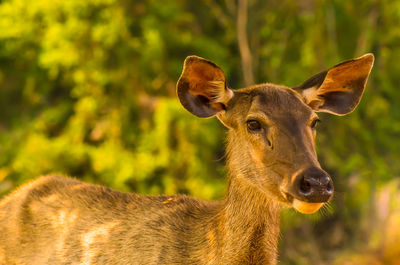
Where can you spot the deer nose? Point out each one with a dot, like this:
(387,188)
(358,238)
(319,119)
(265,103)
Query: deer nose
(314,185)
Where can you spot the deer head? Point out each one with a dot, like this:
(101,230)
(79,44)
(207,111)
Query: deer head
(272,128)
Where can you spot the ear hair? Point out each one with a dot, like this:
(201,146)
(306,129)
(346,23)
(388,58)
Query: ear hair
(219,92)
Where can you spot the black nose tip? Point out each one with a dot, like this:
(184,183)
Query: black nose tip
(314,185)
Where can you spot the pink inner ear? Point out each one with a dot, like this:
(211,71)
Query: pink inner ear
(348,76)
(199,75)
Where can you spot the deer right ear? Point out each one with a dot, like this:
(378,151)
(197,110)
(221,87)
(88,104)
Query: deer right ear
(339,89)
(202,88)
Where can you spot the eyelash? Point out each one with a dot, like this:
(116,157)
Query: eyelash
(254,126)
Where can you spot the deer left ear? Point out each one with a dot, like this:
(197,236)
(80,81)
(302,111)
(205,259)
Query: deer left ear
(202,88)
(339,89)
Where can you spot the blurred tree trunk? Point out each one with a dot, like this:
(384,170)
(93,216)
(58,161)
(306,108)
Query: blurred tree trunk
(244,49)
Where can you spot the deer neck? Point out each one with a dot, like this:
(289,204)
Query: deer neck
(248,223)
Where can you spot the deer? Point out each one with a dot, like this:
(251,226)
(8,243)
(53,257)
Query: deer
(271,163)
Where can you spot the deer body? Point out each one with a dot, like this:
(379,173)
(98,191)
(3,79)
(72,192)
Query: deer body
(57,220)
(271,162)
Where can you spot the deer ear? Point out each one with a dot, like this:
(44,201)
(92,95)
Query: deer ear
(339,89)
(202,87)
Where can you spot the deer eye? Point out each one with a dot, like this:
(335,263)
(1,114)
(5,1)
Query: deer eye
(314,123)
(254,126)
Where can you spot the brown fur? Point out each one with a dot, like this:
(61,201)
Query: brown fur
(57,220)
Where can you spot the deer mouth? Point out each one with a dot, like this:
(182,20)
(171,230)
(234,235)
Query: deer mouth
(306,207)
(302,206)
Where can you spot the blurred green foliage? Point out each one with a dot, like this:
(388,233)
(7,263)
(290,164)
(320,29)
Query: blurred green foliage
(87,88)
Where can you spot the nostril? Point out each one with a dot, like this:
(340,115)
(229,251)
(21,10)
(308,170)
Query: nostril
(326,184)
(305,187)
(325,180)
(329,187)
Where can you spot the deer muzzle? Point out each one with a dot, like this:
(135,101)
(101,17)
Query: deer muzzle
(310,189)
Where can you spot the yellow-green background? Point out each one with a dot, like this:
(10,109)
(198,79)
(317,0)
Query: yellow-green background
(87,88)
